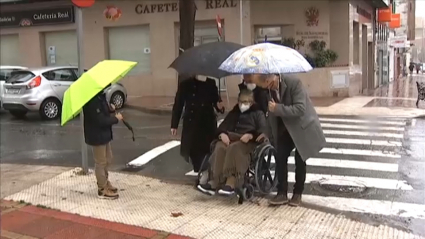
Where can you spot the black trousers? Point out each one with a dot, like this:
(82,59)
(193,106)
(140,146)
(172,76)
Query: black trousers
(196,158)
(284,149)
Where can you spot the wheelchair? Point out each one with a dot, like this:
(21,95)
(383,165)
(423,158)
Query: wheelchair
(258,178)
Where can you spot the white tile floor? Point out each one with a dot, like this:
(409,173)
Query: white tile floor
(149,203)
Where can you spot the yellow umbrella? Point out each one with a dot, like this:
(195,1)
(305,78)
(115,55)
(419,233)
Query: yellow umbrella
(90,84)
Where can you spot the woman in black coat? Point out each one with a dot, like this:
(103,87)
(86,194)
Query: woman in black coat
(199,96)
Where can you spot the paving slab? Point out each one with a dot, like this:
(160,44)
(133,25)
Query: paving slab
(180,210)
(31,222)
(17,177)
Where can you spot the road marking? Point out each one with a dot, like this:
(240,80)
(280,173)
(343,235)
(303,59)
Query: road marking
(370,127)
(413,122)
(363,142)
(352,164)
(192,173)
(380,207)
(352,181)
(389,122)
(153,153)
(362,133)
(362,152)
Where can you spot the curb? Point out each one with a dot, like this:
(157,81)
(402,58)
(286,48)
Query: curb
(156,111)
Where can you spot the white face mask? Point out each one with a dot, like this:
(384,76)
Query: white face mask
(251,86)
(244,107)
(201,78)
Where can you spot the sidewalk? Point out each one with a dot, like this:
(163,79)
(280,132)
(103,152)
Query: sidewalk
(177,209)
(164,105)
(20,221)
(397,99)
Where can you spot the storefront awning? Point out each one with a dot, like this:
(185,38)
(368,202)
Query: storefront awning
(379,3)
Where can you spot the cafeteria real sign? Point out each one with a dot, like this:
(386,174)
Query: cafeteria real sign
(37,17)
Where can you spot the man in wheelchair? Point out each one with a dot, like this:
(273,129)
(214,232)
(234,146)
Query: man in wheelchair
(238,135)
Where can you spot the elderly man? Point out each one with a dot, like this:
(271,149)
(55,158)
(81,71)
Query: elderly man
(294,124)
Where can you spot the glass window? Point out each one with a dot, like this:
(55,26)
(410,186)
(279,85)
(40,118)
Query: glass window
(5,74)
(131,43)
(60,75)
(20,77)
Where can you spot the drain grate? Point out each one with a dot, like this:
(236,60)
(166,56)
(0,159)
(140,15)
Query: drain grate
(341,186)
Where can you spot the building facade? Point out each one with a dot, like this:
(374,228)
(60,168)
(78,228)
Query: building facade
(44,33)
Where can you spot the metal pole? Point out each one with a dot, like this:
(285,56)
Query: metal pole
(80,46)
(241,19)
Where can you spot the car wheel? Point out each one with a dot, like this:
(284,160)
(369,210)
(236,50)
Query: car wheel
(50,109)
(118,99)
(18,113)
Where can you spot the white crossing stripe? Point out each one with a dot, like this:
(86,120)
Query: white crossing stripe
(148,156)
(362,152)
(352,164)
(400,123)
(369,127)
(381,207)
(192,173)
(362,133)
(326,179)
(363,142)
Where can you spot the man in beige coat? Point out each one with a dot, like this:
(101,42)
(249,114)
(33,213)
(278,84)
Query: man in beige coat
(294,124)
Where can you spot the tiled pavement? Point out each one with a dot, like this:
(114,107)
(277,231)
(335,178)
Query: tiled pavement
(150,203)
(21,221)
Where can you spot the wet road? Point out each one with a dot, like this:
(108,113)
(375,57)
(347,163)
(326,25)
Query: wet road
(373,169)
(33,141)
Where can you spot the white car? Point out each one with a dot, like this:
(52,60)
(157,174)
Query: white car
(5,73)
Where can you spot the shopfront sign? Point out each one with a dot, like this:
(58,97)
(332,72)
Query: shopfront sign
(37,17)
(174,6)
(384,14)
(364,13)
(399,41)
(395,21)
(312,35)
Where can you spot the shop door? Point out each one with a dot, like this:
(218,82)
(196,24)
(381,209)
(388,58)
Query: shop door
(61,48)
(381,67)
(9,50)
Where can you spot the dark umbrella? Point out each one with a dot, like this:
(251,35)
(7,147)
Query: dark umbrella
(129,127)
(205,59)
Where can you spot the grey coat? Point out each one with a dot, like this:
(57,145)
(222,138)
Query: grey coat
(300,118)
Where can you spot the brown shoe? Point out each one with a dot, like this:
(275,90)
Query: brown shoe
(112,188)
(295,200)
(107,194)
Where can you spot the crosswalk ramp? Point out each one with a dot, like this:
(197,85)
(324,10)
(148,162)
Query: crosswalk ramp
(360,167)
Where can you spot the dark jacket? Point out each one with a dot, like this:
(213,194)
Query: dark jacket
(199,119)
(98,121)
(251,121)
(260,97)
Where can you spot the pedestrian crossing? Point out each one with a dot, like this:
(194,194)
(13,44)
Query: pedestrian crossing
(360,162)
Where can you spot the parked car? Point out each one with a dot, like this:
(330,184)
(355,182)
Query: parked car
(5,73)
(42,90)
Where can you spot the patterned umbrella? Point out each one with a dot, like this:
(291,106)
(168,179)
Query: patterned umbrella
(265,58)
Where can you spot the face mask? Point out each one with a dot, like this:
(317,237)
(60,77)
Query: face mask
(244,107)
(251,86)
(201,78)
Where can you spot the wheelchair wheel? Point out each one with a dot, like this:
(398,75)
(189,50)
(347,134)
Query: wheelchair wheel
(264,179)
(205,168)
